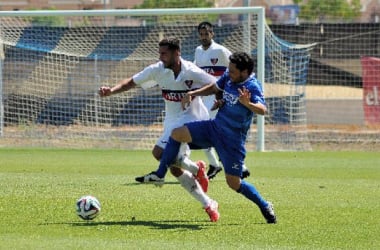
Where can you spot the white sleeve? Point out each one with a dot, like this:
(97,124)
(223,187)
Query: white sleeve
(145,78)
(227,54)
(202,78)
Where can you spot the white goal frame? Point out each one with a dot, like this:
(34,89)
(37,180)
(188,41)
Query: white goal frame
(259,11)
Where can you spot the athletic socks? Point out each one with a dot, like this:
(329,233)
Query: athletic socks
(244,167)
(189,183)
(189,165)
(168,157)
(212,157)
(250,192)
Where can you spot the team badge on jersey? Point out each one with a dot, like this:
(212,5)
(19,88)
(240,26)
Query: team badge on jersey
(214,61)
(189,83)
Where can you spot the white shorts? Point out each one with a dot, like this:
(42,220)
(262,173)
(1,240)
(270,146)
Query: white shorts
(164,138)
(209,102)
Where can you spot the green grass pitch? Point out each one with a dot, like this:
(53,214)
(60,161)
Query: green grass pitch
(323,200)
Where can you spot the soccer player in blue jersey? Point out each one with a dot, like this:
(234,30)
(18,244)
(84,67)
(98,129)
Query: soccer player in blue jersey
(242,98)
(214,59)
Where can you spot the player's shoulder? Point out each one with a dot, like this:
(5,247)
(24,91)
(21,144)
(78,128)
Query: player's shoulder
(253,82)
(217,46)
(156,65)
(188,65)
(198,48)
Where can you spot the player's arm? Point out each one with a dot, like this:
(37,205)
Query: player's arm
(123,85)
(204,91)
(218,102)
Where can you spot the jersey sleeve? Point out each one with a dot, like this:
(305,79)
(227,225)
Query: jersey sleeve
(145,78)
(257,94)
(226,54)
(201,78)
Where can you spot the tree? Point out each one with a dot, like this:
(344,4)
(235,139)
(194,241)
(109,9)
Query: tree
(156,4)
(323,9)
(47,20)
(152,4)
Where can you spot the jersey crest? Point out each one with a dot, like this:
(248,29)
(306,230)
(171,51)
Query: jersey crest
(214,61)
(189,83)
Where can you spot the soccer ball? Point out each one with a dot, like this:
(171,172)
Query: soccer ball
(87,207)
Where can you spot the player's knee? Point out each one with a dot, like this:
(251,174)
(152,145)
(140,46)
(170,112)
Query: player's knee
(176,134)
(233,182)
(180,134)
(175,171)
(157,152)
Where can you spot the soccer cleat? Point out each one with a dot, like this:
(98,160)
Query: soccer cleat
(245,174)
(213,171)
(212,211)
(268,213)
(201,175)
(151,178)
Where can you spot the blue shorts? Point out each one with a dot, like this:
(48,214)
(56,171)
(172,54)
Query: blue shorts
(230,148)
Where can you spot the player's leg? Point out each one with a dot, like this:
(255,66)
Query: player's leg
(191,185)
(196,133)
(152,177)
(198,169)
(168,157)
(214,164)
(250,192)
(245,172)
(232,160)
(157,152)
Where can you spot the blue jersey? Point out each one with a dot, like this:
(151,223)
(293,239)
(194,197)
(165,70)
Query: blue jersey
(227,132)
(233,117)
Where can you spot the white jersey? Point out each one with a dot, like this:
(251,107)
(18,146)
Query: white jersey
(214,61)
(173,89)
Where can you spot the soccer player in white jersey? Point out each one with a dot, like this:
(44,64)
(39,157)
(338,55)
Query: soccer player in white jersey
(214,59)
(176,77)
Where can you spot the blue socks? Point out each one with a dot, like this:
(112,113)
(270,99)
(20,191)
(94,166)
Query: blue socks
(168,157)
(250,192)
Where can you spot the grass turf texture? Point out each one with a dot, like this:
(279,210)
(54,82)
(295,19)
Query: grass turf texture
(323,200)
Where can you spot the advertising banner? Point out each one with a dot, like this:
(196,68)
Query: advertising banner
(371,89)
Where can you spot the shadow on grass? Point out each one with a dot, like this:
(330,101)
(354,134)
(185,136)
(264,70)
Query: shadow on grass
(137,183)
(184,225)
(165,183)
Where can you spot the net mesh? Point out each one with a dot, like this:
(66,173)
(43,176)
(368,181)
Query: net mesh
(51,75)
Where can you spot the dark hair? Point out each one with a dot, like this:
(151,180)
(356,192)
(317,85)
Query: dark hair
(205,25)
(173,43)
(242,61)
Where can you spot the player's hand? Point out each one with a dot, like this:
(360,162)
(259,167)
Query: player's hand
(104,91)
(218,103)
(185,101)
(244,96)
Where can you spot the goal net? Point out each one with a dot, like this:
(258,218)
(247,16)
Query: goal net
(52,64)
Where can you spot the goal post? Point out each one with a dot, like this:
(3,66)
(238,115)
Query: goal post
(54,65)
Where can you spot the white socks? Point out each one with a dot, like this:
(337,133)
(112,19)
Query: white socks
(244,167)
(212,157)
(189,183)
(189,165)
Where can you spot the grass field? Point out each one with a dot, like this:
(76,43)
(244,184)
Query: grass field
(323,200)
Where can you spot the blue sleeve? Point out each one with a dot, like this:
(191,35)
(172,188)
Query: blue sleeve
(257,94)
